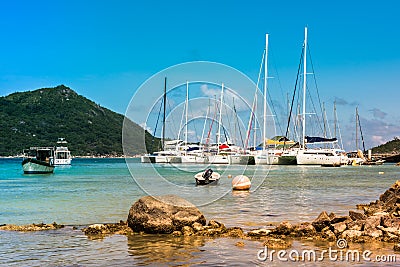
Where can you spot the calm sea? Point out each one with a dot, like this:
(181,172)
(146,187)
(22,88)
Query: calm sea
(102,190)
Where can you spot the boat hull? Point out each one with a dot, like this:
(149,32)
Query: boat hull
(148,159)
(287,160)
(62,162)
(321,157)
(218,159)
(194,159)
(212,180)
(32,166)
(168,159)
(238,159)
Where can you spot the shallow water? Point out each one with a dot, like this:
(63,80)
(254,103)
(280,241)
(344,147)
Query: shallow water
(102,190)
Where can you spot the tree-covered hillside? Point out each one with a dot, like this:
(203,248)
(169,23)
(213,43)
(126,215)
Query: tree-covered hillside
(40,117)
(389,147)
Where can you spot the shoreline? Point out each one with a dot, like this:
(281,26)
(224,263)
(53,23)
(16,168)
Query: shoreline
(378,221)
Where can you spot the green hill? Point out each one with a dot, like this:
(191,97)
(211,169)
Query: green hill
(388,148)
(40,117)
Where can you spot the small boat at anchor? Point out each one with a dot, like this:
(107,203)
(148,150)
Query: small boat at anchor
(38,160)
(62,156)
(207,177)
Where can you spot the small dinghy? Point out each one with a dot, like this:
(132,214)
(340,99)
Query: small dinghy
(207,177)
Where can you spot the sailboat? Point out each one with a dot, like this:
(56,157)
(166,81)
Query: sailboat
(168,154)
(357,158)
(263,157)
(314,156)
(221,157)
(190,153)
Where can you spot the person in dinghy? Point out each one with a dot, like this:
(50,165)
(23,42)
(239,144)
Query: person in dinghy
(207,177)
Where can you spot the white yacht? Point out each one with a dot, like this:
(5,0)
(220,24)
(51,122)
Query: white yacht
(323,156)
(315,156)
(62,156)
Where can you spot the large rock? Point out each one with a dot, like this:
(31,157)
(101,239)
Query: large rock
(355,216)
(163,214)
(322,221)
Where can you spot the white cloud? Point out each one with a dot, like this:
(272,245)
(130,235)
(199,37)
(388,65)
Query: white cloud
(210,92)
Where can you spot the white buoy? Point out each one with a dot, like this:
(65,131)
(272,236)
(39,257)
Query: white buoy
(229,176)
(241,182)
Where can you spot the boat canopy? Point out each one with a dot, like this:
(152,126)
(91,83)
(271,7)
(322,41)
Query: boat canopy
(316,139)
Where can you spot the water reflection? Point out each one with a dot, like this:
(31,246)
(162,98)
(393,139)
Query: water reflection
(163,249)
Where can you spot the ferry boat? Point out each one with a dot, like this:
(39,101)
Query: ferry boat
(62,156)
(38,160)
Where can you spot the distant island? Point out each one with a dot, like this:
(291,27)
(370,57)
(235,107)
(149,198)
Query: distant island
(40,117)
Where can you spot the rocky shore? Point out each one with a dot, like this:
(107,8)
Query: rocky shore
(172,215)
(31,227)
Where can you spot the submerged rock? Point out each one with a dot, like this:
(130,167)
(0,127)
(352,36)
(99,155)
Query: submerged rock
(107,229)
(277,243)
(163,214)
(31,227)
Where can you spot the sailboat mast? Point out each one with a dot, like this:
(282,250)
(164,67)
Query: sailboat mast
(186,115)
(325,120)
(357,128)
(165,104)
(304,85)
(335,118)
(265,90)
(205,122)
(220,118)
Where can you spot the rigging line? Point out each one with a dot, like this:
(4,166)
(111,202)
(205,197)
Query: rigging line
(340,135)
(250,124)
(194,124)
(212,122)
(252,114)
(155,129)
(173,124)
(315,79)
(238,125)
(205,121)
(294,94)
(277,76)
(313,105)
(274,110)
(223,128)
(227,116)
(362,136)
(181,124)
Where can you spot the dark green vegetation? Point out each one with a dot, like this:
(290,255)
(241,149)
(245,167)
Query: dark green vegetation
(388,148)
(40,117)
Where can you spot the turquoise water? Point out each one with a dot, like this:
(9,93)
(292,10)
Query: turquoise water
(102,190)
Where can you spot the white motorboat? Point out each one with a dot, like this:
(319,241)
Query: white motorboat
(62,156)
(207,177)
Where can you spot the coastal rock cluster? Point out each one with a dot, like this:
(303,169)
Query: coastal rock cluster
(31,227)
(100,230)
(378,220)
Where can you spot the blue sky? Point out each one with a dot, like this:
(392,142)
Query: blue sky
(105,50)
